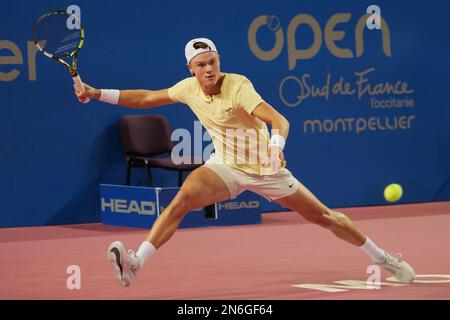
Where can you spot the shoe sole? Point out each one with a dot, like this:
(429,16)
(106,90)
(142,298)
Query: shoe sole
(115,256)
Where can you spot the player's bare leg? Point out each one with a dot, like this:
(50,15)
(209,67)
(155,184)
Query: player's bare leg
(306,204)
(201,188)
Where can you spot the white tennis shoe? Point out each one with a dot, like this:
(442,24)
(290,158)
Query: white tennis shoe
(401,270)
(125,265)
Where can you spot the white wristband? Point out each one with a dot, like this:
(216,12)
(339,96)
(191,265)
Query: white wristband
(109,96)
(277,141)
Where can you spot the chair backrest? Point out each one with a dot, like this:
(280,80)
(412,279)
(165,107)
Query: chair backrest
(145,135)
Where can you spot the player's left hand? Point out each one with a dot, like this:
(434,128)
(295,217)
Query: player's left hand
(276,155)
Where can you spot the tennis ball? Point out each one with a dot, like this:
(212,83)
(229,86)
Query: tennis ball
(393,192)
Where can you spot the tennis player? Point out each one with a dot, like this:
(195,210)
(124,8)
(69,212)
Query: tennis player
(224,101)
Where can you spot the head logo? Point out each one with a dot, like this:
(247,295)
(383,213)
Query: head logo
(239,205)
(126,206)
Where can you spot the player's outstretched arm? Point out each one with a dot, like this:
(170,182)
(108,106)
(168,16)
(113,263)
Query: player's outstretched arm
(141,99)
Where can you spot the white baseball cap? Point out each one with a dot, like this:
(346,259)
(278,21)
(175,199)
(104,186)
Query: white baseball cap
(193,48)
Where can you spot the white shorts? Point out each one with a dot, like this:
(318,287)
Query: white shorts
(279,185)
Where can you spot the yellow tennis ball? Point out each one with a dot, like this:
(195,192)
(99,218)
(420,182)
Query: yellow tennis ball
(393,192)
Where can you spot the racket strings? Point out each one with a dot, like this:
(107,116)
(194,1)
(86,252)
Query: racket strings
(57,37)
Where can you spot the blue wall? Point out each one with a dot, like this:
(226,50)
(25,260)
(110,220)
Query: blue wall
(55,151)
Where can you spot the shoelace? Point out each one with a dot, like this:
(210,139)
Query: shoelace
(396,256)
(133,268)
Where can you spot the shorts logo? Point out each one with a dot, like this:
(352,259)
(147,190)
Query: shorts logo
(291,185)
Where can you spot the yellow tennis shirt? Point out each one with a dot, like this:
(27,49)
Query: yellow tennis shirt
(240,139)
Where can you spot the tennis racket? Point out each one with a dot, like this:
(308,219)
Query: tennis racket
(58,38)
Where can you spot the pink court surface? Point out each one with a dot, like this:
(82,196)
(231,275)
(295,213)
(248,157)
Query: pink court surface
(284,258)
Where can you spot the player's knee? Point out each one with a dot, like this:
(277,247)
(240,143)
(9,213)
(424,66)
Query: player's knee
(335,220)
(340,219)
(181,202)
(325,218)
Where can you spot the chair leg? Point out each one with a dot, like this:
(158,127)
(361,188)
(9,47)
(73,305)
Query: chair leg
(180,178)
(129,166)
(149,176)
(210,211)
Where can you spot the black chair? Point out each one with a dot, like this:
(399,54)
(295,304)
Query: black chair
(145,141)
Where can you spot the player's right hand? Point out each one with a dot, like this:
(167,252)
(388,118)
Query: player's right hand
(89,93)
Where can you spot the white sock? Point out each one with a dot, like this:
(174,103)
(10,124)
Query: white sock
(375,253)
(145,251)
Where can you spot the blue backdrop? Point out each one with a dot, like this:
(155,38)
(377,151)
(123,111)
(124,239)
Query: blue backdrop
(367,107)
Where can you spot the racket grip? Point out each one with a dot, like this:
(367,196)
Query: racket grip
(79,85)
